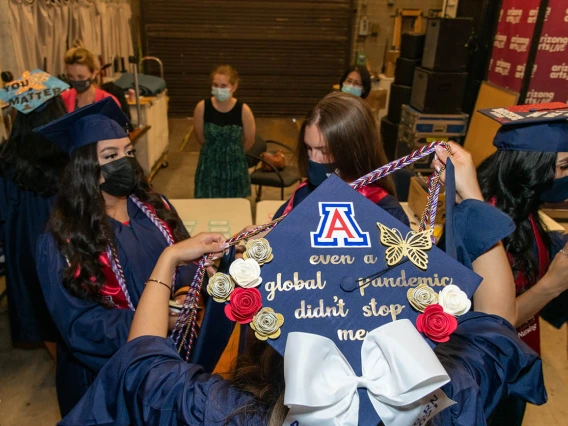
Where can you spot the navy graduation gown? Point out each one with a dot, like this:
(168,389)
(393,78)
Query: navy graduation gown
(389,204)
(556,312)
(91,333)
(146,382)
(23,217)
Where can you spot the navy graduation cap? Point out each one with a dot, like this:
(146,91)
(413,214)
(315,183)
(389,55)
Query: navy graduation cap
(537,127)
(100,121)
(341,288)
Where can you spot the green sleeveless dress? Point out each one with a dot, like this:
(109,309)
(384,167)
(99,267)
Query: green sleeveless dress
(222,170)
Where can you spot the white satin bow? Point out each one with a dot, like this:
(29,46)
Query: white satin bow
(400,372)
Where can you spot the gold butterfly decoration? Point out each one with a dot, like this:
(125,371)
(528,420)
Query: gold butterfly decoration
(414,246)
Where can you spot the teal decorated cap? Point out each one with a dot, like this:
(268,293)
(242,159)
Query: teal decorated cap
(32,90)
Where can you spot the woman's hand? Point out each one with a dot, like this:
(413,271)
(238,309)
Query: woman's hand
(195,247)
(556,278)
(465,173)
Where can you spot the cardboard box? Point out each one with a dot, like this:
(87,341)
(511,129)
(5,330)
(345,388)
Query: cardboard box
(377,99)
(390,64)
(418,197)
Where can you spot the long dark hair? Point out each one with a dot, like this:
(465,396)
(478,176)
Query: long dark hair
(515,180)
(350,131)
(259,371)
(81,227)
(30,160)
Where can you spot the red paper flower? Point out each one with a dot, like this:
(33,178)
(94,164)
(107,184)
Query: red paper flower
(436,324)
(245,303)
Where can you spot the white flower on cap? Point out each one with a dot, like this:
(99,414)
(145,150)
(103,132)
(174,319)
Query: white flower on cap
(246,273)
(453,300)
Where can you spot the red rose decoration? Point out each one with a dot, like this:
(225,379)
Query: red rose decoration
(244,304)
(436,324)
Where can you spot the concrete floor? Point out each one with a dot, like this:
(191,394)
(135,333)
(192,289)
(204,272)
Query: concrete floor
(27,383)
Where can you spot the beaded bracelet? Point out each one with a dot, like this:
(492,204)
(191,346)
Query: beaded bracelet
(159,282)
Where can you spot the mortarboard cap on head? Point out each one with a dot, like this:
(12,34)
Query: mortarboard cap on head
(340,289)
(100,121)
(32,90)
(537,127)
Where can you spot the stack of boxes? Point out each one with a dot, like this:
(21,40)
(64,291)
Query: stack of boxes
(412,45)
(435,110)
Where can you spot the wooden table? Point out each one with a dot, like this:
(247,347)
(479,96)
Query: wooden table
(227,216)
(265,210)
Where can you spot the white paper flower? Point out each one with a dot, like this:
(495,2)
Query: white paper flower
(453,300)
(259,250)
(421,297)
(266,324)
(246,273)
(220,287)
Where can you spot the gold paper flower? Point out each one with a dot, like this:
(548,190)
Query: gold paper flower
(259,250)
(421,297)
(220,287)
(266,324)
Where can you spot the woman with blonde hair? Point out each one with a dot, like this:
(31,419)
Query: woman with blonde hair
(225,129)
(82,69)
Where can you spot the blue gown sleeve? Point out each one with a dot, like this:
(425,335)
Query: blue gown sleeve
(391,205)
(556,312)
(147,383)
(92,332)
(486,362)
(477,226)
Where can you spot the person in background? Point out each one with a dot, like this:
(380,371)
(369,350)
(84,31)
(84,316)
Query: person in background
(107,230)
(147,382)
(339,135)
(356,81)
(529,169)
(225,129)
(30,170)
(81,69)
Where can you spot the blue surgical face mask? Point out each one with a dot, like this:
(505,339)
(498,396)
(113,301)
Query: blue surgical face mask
(221,94)
(318,172)
(558,192)
(354,90)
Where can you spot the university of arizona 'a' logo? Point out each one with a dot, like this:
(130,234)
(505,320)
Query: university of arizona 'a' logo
(338,228)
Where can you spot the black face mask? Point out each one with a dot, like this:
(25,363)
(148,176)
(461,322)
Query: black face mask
(80,85)
(318,172)
(120,177)
(558,192)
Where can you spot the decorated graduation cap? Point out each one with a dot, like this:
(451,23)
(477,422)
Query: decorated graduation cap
(32,90)
(355,301)
(100,121)
(538,127)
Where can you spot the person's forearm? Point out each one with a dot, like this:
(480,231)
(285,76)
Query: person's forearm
(152,313)
(534,299)
(496,293)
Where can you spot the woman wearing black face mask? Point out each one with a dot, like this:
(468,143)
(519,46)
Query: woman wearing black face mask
(530,168)
(107,231)
(81,68)
(339,135)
